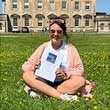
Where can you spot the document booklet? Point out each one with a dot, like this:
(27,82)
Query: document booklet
(50,61)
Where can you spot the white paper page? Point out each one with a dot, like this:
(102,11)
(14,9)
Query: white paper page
(50,61)
(46,71)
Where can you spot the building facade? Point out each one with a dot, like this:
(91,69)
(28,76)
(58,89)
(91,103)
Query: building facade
(102,22)
(3,23)
(35,14)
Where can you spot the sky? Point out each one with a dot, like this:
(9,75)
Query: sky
(101,6)
(0,6)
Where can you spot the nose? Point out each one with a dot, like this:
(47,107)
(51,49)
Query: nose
(56,33)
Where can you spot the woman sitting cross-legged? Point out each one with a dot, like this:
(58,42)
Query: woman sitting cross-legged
(67,75)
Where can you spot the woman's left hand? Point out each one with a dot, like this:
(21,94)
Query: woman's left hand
(59,72)
(37,64)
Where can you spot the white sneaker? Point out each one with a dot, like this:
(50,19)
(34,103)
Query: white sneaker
(68,97)
(35,94)
(73,97)
(32,93)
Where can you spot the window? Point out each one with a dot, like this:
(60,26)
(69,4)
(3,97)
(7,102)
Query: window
(76,22)
(87,22)
(52,5)
(40,22)
(1,26)
(87,5)
(63,4)
(77,5)
(102,26)
(39,4)
(109,26)
(26,21)
(15,22)
(26,4)
(14,4)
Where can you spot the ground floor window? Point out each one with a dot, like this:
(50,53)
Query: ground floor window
(26,21)
(40,22)
(15,21)
(109,26)
(87,22)
(102,26)
(76,22)
(1,26)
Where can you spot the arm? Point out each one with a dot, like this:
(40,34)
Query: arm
(30,64)
(75,66)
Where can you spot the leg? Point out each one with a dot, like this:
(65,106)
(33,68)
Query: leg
(71,85)
(37,84)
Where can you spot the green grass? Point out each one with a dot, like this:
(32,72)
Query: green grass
(95,53)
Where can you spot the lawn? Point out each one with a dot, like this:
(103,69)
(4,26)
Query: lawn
(94,50)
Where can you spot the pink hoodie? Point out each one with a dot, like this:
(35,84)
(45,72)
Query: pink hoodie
(75,66)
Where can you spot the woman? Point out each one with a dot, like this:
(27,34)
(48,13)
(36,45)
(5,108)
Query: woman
(69,77)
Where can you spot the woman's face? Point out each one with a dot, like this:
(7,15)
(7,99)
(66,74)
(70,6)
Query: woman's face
(56,33)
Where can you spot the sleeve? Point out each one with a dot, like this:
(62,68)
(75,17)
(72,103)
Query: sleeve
(29,65)
(75,65)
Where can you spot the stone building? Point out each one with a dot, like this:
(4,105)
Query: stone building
(102,22)
(3,23)
(34,14)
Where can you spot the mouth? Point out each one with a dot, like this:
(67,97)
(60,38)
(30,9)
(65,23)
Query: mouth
(55,37)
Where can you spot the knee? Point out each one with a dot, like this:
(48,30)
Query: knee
(27,76)
(80,80)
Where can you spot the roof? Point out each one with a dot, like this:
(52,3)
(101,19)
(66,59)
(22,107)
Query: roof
(100,13)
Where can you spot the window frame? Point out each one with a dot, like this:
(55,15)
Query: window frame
(101,26)
(39,4)
(76,22)
(14,4)
(64,4)
(108,26)
(1,26)
(77,6)
(15,21)
(40,21)
(87,5)
(87,22)
(26,3)
(52,4)
(26,21)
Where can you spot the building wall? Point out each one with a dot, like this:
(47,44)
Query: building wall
(103,22)
(70,12)
(3,23)
(106,26)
